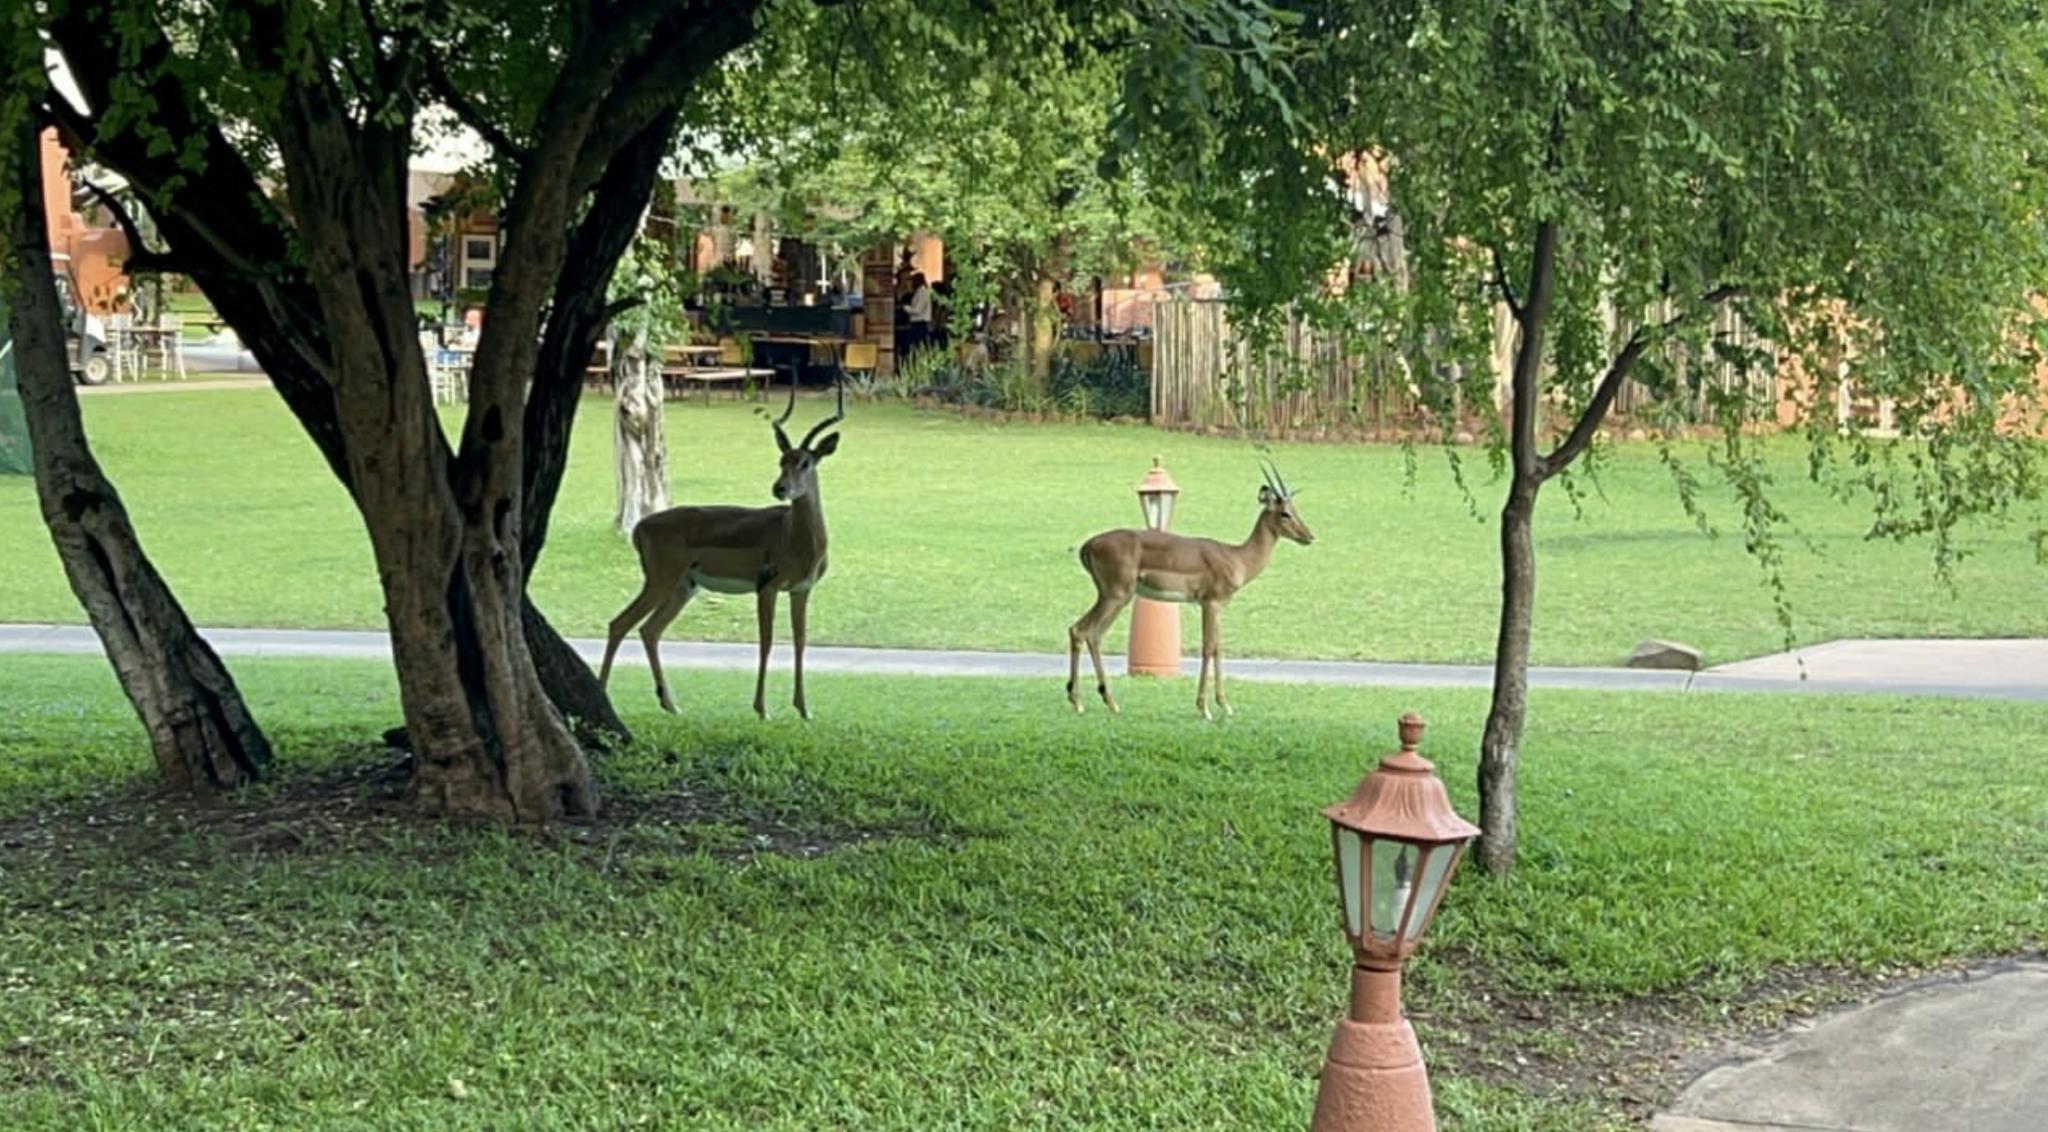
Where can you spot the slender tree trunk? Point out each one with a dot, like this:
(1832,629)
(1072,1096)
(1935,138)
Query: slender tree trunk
(1500,746)
(642,450)
(1041,315)
(199,729)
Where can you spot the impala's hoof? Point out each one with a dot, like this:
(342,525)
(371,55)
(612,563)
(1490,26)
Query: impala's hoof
(668,705)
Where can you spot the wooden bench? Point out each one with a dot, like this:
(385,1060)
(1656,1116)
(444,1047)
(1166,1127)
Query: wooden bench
(739,377)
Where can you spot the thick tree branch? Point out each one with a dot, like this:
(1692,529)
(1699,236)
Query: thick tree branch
(683,49)
(141,260)
(469,111)
(1618,371)
(577,316)
(251,282)
(1500,280)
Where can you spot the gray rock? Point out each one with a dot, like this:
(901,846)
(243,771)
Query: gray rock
(1665,654)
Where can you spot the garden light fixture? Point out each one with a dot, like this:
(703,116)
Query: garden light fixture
(1155,625)
(1396,841)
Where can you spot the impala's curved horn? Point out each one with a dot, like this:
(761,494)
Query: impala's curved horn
(1285,491)
(838,414)
(781,437)
(1273,480)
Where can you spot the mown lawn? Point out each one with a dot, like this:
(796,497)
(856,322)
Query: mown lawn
(1019,919)
(962,533)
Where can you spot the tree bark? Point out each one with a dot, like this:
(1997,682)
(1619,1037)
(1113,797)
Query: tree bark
(444,527)
(1500,745)
(642,449)
(200,730)
(1041,316)
(1500,748)
(576,318)
(321,298)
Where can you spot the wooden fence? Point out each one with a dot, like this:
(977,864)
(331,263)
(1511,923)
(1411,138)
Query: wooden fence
(1205,373)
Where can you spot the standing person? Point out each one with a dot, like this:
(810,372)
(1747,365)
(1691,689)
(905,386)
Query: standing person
(917,310)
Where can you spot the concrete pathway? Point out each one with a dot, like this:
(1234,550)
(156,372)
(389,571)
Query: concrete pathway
(1986,663)
(2010,679)
(1967,1054)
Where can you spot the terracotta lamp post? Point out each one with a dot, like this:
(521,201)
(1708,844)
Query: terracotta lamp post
(1155,625)
(1396,841)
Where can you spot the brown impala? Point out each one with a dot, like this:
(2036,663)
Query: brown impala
(1170,567)
(736,550)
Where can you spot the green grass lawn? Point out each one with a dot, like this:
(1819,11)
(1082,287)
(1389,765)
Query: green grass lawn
(962,533)
(1023,919)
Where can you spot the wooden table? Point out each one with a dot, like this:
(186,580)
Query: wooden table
(166,342)
(834,345)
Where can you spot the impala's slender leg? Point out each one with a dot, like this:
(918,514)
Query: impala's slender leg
(651,590)
(650,635)
(1074,666)
(798,601)
(1107,608)
(1202,677)
(1212,651)
(765,608)
(1087,631)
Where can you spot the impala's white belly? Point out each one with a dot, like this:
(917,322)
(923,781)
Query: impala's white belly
(1161,586)
(718,585)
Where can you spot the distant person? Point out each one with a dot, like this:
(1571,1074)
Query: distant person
(917,317)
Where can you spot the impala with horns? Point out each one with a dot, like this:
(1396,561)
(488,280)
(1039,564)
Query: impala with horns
(764,551)
(1169,567)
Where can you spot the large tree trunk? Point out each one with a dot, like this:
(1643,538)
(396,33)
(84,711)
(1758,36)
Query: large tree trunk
(642,449)
(321,298)
(199,729)
(444,527)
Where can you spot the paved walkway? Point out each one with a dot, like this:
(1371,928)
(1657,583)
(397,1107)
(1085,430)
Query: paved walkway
(1957,1055)
(2016,674)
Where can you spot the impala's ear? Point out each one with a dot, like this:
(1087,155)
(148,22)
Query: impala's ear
(825,447)
(1266,495)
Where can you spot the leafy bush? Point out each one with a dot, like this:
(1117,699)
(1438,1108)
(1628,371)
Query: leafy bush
(1111,384)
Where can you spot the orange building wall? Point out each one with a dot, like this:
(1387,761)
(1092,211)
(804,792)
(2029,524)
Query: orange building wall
(97,254)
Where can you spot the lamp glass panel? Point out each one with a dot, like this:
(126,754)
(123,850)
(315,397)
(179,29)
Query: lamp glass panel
(1350,881)
(1158,507)
(1394,868)
(1436,869)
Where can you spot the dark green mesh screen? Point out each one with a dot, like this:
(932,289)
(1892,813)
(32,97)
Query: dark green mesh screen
(13,428)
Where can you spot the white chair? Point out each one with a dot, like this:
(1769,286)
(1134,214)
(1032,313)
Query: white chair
(170,342)
(124,351)
(448,370)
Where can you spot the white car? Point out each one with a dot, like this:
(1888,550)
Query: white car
(85,333)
